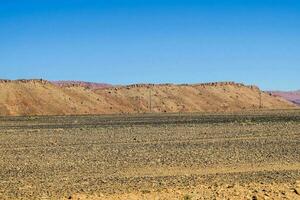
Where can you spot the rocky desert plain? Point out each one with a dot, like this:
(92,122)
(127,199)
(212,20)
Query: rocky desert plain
(77,140)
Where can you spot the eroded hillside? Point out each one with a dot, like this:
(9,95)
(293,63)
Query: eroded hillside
(39,97)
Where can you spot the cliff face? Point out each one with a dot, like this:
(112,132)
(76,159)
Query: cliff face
(40,97)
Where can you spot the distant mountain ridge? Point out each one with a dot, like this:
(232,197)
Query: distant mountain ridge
(292,96)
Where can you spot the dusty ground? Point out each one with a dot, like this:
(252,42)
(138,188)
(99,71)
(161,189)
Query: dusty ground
(238,156)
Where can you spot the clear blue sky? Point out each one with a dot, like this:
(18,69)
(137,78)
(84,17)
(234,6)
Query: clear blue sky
(133,41)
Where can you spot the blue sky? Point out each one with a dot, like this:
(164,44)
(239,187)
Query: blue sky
(134,41)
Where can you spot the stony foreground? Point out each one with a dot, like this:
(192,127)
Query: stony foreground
(238,156)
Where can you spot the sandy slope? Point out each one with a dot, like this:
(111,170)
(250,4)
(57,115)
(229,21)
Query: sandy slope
(38,97)
(43,98)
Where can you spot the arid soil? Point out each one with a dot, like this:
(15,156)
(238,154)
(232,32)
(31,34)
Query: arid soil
(39,97)
(173,156)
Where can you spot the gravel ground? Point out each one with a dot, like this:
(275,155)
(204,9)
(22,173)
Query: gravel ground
(195,156)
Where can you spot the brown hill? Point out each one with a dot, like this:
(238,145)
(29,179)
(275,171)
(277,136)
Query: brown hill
(39,97)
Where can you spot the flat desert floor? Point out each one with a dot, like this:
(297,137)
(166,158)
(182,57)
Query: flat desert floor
(253,155)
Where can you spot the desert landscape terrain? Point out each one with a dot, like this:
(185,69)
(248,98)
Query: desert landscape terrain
(149,100)
(239,155)
(82,140)
(41,97)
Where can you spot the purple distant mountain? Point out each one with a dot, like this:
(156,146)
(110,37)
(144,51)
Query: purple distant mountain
(293,96)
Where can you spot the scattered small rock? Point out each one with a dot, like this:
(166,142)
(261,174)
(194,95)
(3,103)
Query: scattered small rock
(297,191)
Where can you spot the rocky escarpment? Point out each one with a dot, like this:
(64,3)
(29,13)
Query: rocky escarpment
(210,84)
(88,85)
(38,81)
